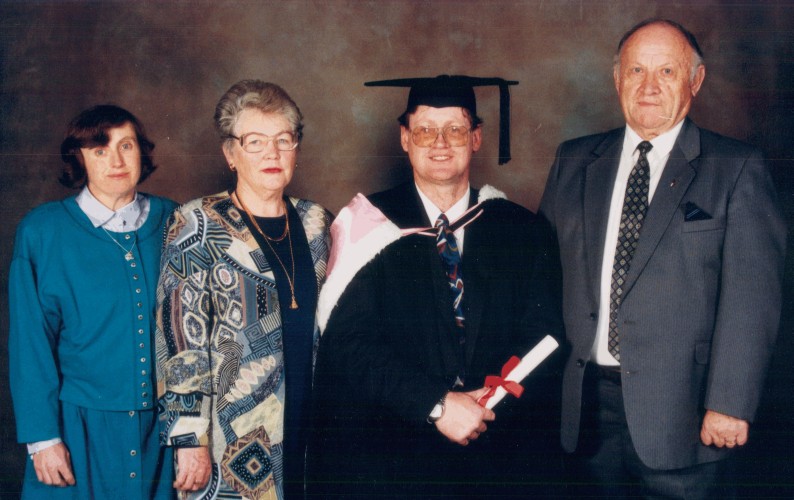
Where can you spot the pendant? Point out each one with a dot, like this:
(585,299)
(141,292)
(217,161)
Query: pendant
(128,256)
(294,304)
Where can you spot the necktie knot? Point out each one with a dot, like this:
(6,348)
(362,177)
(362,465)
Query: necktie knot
(442,222)
(644,147)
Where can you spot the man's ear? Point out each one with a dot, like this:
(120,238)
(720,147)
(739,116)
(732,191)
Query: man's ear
(697,81)
(405,137)
(476,138)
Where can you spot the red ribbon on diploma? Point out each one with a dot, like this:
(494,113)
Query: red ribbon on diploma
(494,381)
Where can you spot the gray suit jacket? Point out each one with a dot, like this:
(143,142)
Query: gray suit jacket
(702,301)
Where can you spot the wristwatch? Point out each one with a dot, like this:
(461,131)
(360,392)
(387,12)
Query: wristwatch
(438,410)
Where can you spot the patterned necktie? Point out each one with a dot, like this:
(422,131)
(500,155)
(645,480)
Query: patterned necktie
(635,204)
(447,246)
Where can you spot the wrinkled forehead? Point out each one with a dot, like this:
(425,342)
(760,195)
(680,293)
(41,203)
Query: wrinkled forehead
(659,41)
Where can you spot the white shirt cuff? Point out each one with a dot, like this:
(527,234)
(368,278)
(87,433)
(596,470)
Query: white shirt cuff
(38,446)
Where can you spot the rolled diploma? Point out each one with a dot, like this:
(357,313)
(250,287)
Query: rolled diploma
(528,363)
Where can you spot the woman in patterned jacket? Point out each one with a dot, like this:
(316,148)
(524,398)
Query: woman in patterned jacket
(238,289)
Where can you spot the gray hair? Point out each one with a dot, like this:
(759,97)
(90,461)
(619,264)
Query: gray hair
(697,54)
(255,94)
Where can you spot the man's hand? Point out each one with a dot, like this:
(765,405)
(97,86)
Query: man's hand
(194,468)
(723,430)
(53,466)
(463,419)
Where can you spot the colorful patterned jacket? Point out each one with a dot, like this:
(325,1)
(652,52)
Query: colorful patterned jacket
(218,339)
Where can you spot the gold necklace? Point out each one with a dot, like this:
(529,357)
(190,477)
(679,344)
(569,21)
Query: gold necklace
(291,281)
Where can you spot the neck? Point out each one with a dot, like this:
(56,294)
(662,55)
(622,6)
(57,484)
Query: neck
(114,202)
(269,204)
(444,196)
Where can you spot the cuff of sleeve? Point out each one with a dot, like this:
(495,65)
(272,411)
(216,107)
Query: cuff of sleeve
(38,446)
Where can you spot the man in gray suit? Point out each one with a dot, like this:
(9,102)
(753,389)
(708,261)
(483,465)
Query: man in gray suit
(672,248)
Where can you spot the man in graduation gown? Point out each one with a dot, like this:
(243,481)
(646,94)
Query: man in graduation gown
(417,312)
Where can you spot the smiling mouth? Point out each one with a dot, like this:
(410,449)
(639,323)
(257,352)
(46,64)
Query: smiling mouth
(440,157)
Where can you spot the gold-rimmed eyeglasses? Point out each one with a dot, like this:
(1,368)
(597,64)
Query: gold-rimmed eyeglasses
(454,135)
(254,142)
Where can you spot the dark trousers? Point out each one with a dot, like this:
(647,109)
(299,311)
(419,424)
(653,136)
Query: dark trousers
(606,464)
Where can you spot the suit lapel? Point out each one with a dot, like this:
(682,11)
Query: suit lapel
(678,174)
(598,185)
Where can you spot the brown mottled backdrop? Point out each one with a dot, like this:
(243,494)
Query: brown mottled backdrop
(169,62)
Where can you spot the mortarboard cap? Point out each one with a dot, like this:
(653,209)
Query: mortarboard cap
(457,91)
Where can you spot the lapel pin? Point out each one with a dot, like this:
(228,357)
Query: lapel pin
(672,183)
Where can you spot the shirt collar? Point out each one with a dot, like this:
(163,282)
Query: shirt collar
(124,219)
(662,143)
(454,211)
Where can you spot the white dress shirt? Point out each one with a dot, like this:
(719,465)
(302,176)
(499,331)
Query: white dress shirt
(657,158)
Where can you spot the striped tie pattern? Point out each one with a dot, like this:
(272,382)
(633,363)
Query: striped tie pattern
(447,246)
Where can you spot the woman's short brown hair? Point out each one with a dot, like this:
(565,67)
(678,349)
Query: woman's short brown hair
(90,129)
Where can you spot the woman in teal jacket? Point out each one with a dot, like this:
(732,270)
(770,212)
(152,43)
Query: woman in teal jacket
(82,308)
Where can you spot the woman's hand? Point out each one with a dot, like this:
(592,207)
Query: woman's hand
(194,468)
(53,466)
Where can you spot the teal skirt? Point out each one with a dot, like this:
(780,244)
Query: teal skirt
(115,455)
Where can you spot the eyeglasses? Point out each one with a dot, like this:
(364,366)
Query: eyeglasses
(454,135)
(254,142)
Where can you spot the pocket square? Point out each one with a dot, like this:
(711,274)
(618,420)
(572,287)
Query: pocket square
(693,212)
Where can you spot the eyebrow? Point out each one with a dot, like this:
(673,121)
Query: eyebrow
(270,135)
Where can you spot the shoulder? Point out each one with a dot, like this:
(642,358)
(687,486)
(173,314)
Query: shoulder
(316,220)
(198,216)
(495,203)
(45,217)
(501,215)
(42,227)
(311,209)
(714,144)
(393,199)
(46,214)
(209,204)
